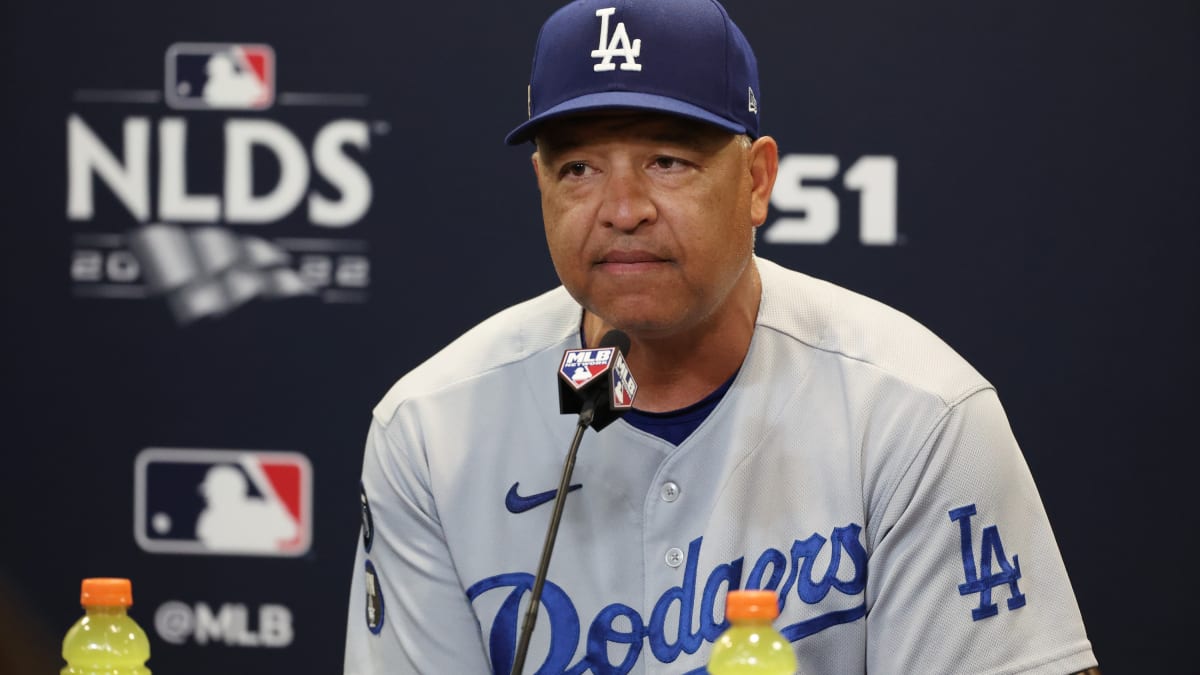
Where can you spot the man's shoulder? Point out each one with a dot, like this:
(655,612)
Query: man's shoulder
(508,337)
(853,327)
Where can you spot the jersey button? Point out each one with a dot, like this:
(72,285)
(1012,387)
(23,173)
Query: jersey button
(674,557)
(670,491)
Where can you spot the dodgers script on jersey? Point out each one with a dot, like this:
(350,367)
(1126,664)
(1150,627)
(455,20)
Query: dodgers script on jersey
(852,466)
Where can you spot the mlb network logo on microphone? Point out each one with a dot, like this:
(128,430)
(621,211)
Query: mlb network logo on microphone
(223,502)
(220,76)
(581,367)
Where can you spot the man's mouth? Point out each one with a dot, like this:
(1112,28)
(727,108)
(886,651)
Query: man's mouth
(621,258)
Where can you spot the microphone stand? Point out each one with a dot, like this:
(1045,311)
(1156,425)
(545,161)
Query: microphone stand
(586,415)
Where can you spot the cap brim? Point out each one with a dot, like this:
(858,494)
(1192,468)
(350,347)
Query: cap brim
(621,100)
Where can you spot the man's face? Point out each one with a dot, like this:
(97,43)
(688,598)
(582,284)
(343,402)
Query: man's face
(650,218)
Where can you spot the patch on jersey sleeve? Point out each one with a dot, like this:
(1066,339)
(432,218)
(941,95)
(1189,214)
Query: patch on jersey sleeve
(374,600)
(991,552)
(368,524)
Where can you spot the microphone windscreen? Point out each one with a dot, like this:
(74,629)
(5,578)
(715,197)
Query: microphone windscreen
(616,338)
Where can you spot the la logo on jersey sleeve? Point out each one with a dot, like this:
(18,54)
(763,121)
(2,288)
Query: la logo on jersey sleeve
(983,580)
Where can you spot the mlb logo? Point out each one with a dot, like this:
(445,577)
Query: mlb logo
(220,76)
(581,366)
(624,387)
(223,502)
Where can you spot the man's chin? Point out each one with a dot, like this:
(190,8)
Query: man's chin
(644,324)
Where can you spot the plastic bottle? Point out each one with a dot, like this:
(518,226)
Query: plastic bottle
(751,645)
(105,640)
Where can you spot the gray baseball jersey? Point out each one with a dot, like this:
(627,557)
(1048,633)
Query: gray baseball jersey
(857,465)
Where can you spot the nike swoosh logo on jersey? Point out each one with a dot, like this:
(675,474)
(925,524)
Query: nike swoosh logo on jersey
(515,503)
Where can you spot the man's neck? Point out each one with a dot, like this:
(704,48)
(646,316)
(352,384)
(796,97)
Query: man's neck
(676,370)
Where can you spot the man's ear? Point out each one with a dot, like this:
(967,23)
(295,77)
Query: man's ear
(764,167)
(537,166)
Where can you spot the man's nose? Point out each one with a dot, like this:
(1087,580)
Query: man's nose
(627,201)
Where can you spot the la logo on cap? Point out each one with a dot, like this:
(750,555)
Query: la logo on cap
(618,46)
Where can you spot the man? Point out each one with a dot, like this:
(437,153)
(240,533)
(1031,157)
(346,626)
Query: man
(788,434)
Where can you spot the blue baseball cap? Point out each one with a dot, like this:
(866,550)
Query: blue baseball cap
(681,57)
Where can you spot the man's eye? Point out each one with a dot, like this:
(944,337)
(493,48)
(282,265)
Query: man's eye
(667,162)
(575,169)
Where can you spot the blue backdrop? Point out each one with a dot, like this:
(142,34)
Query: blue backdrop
(232,276)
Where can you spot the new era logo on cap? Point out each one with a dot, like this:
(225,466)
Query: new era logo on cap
(680,57)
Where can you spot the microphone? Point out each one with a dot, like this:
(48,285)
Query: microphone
(597,384)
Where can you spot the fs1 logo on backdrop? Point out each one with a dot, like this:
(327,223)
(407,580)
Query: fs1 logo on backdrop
(222,502)
(210,202)
(809,201)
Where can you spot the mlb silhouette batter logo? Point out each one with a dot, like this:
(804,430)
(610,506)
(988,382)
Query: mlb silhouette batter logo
(223,502)
(220,76)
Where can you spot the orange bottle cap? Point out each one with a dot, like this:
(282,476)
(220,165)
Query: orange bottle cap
(751,605)
(106,592)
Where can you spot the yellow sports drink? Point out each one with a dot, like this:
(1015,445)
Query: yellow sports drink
(105,641)
(751,645)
